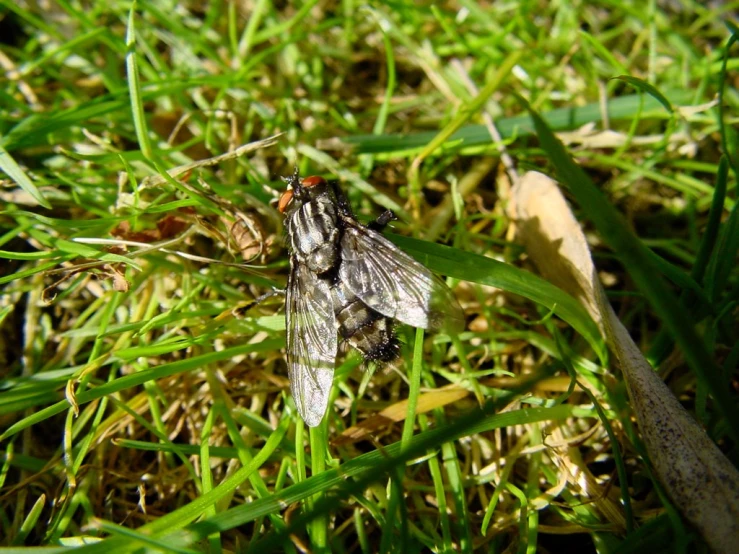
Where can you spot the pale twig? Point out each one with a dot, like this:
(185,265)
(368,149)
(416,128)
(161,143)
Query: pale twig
(489,123)
(155,180)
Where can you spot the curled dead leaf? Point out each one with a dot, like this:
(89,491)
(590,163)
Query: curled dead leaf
(701,481)
(69,393)
(120,283)
(247,234)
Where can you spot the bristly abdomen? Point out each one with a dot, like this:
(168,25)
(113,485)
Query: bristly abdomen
(363,328)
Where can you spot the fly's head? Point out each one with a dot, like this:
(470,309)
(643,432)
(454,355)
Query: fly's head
(300,191)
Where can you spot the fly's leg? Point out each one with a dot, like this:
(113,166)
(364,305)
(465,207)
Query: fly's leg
(341,200)
(381,222)
(345,209)
(240,311)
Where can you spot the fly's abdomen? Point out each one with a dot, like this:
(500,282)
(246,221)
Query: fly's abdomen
(362,327)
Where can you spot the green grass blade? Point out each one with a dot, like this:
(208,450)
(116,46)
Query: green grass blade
(364,469)
(139,378)
(723,261)
(647,88)
(393,457)
(662,344)
(728,134)
(710,234)
(559,119)
(14,171)
(319,526)
(468,110)
(415,387)
(466,266)
(134,86)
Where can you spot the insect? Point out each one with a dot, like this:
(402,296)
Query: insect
(347,280)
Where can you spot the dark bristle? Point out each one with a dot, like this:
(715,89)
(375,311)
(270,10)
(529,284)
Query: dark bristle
(384,352)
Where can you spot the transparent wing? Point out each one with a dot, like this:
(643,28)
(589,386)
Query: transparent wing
(394,284)
(311,342)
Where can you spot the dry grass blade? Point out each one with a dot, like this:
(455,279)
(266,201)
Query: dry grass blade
(155,180)
(698,477)
(398,411)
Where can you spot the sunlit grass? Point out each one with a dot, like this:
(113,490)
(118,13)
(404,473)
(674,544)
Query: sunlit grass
(137,409)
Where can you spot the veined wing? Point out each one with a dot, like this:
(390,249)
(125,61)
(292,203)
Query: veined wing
(391,282)
(311,342)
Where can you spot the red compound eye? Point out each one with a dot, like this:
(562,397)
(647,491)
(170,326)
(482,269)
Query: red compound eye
(312,181)
(285,199)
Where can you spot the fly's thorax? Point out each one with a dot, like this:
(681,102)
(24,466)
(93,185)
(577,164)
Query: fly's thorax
(313,232)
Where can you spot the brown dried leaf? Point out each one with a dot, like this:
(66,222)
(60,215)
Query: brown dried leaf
(701,481)
(170,226)
(167,227)
(123,231)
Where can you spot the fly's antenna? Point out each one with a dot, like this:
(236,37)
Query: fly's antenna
(293,181)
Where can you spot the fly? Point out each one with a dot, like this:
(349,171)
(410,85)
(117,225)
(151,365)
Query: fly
(348,281)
